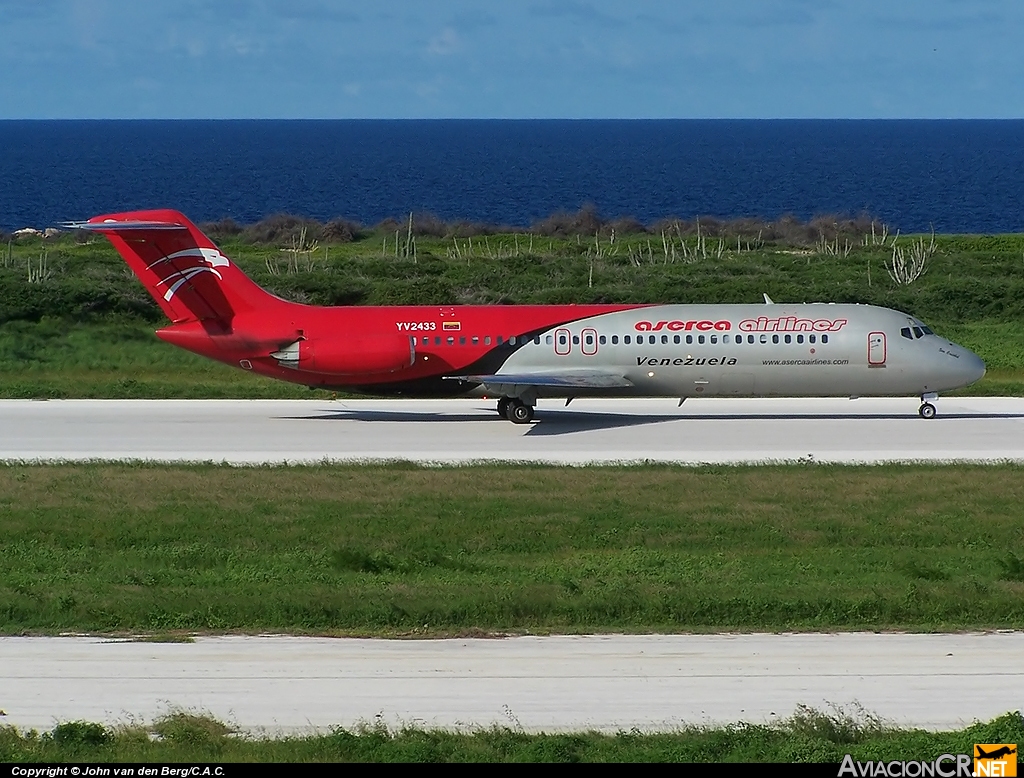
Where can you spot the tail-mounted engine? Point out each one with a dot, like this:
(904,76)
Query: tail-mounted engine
(349,355)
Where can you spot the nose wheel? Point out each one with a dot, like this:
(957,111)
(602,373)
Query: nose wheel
(927,411)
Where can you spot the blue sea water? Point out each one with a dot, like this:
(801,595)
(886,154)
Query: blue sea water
(958,176)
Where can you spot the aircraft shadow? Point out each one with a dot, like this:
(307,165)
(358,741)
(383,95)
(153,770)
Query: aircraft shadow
(563,422)
(547,422)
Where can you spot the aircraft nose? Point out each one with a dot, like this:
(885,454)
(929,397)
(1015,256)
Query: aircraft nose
(968,367)
(974,367)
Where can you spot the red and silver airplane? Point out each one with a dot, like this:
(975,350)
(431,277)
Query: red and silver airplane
(519,353)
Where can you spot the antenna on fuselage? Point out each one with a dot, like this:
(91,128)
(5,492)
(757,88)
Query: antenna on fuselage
(768,300)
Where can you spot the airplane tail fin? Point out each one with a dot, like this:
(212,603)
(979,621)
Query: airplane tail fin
(187,275)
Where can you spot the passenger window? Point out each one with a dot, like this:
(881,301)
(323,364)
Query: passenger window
(487,340)
(789,339)
(548,339)
(615,340)
(811,338)
(511,340)
(589,340)
(451,341)
(676,339)
(664,339)
(700,338)
(626,339)
(824,338)
(714,339)
(498,340)
(775,338)
(576,340)
(426,340)
(562,340)
(750,338)
(764,338)
(689,338)
(725,339)
(462,340)
(476,341)
(799,338)
(602,340)
(536,340)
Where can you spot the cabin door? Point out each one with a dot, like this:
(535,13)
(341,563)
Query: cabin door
(876,349)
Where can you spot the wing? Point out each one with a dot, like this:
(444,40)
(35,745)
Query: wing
(564,379)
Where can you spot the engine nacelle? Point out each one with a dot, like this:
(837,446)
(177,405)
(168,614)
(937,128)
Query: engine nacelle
(349,355)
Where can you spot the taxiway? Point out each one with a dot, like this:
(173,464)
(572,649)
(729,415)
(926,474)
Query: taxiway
(608,683)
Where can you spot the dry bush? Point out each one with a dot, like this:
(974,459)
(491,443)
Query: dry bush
(224,228)
(340,230)
(427,224)
(466,229)
(586,221)
(787,230)
(790,230)
(748,227)
(626,225)
(387,225)
(282,228)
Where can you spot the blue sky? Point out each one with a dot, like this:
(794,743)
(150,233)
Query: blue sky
(511,59)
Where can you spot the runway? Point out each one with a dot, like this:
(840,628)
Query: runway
(457,431)
(654,683)
(291,684)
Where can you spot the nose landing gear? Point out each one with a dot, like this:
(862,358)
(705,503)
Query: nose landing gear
(927,410)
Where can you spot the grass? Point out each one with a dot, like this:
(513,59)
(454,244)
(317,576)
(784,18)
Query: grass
(86,329)
(808,736)
(404,550)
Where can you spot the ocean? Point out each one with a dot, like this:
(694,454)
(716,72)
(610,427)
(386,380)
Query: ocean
(953,176)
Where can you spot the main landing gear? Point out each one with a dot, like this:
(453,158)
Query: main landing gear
(515,410)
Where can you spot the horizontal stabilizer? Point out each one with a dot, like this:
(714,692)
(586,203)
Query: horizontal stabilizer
(112,224)
(582,379)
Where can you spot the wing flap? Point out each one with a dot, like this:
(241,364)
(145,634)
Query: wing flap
(582,379)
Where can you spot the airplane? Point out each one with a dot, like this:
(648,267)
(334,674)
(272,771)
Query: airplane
(520,353)
(1002,751)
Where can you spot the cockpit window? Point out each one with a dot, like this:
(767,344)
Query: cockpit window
(927,330)
(905,332)
(918,333)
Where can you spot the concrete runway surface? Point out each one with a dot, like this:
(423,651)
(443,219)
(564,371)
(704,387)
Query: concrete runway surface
(278,685)
(458,431)
(288,684)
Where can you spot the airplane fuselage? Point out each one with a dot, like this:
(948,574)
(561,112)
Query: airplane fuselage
(525,352)
(662,350)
